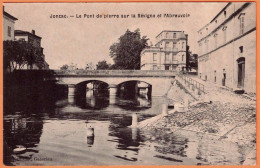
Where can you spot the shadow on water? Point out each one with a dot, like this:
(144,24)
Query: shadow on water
(94,124)
(94,99)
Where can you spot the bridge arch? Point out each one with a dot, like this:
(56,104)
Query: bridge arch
(83,87)
(159,80)
(134,88)
(93,81)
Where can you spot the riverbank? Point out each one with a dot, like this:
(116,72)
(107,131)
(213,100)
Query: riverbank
(229,118)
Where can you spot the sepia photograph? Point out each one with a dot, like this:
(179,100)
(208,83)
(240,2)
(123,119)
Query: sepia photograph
(129,83)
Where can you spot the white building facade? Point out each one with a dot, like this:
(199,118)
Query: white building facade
(8,26)
(169,52)
(227,48)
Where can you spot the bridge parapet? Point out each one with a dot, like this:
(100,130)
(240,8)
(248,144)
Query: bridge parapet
(124,73)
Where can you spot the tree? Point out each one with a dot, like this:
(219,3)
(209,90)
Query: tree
(64,67)
(126,53)
(102,65)
(192,60)
(17,54)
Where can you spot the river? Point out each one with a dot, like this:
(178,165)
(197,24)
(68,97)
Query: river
(60,133)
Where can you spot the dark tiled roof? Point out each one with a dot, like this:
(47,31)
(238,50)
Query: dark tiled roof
(10,16)
(21,32)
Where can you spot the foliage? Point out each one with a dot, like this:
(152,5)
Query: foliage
(17,54)
(126,53)
(102,65)
(194,61)
(191,61)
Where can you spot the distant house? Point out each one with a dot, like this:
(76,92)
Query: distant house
(227,47)
(169,52)
(33,39)
(8,26)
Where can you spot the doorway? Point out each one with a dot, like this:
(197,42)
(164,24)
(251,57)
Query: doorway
(224,78)
(241,72)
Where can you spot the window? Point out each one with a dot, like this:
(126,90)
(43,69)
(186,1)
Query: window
(167,57)
(167,67)
(154,56)
(9,31)
(242,24)
(225,34)
(182,45)
(167,44)
(154,67)
(241,49)
(216,40)
(174,57)
(200,48)
(182,58)
(174,35)
(225,13)
(167,35)
(207,45)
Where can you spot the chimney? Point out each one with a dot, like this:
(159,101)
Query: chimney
(33,32)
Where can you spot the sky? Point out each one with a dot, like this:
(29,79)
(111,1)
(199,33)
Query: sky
(84,40)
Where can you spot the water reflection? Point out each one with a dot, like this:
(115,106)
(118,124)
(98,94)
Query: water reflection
(94,99)
(90,130)
(22,130)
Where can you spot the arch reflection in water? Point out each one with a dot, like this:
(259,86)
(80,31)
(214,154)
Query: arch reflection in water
(134,95)
(94,99)
(92,95)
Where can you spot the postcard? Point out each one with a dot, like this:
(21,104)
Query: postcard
(129,83)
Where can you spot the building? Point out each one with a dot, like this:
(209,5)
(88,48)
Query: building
(227,48)
(35,41)
(8,26)
(169,52)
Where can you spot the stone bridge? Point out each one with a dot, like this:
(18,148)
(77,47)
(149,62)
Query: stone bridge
(158,79)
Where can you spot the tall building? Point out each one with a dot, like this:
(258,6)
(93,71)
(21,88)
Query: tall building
(227,47)
(169,52)
(8,26)
(35,41)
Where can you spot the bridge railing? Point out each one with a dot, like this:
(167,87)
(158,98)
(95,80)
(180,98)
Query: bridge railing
(192,82)
(158,73)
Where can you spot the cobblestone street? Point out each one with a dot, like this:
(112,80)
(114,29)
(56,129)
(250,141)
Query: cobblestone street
(230,117)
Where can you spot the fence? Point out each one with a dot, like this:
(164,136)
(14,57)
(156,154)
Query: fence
(192,82)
